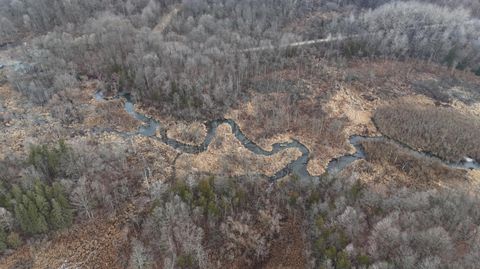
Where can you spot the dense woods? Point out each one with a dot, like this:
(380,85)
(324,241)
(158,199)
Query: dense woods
(417,30)
(349,225)
(58,182)
(195,66)
(198,60)
(396,235)
(192,66)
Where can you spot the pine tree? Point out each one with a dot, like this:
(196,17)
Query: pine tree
(3,195)
(22,217)
(57,219)
(41,200)
(17,193)
(3,238)
(36,221)
(48,191)
(58,194)
(43,208)
(39,188)
(13,240)
(63,203)
(42,204)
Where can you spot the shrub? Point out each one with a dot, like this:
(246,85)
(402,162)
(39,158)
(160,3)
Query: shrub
(420,168)
(65,106)
(441,131)
(185,261)
(329,242)
(13,240)
(3,239)
(173,230)
(202,195)
(363,260)
(477,71)
(49,160)
(42,209)
(139,258)
(103,178)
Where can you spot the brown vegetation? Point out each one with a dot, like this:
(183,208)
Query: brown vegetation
(227,156)
(288,250)
(387,79)
(112,115)
(213,209)
(192,134)
(97,243)
(442,131)
(276,117)
(421,169)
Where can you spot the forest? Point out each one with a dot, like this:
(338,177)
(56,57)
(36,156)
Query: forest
(110,155)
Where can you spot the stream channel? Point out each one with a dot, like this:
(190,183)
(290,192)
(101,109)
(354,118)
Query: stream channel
(297,167)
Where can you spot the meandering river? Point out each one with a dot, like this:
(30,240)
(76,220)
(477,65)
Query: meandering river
(297,167)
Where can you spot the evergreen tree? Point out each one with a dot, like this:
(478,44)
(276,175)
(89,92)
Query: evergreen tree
(21,216)
(42,205)
(59,195)
(13,240)
(16,193)
(42,208)
(41,202)
(57,219)
(40,188)
(48,161)
(4,201)
(3,238)
(33,221)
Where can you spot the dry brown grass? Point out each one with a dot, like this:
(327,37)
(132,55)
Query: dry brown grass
(443,131)
(387,79)
(193,133)
(227,156)
(329,103)
(111,114)
(98,243)
(288,250)
(278,117)
(26,124)
(422,170)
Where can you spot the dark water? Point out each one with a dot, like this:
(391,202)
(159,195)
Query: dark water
(297,167)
